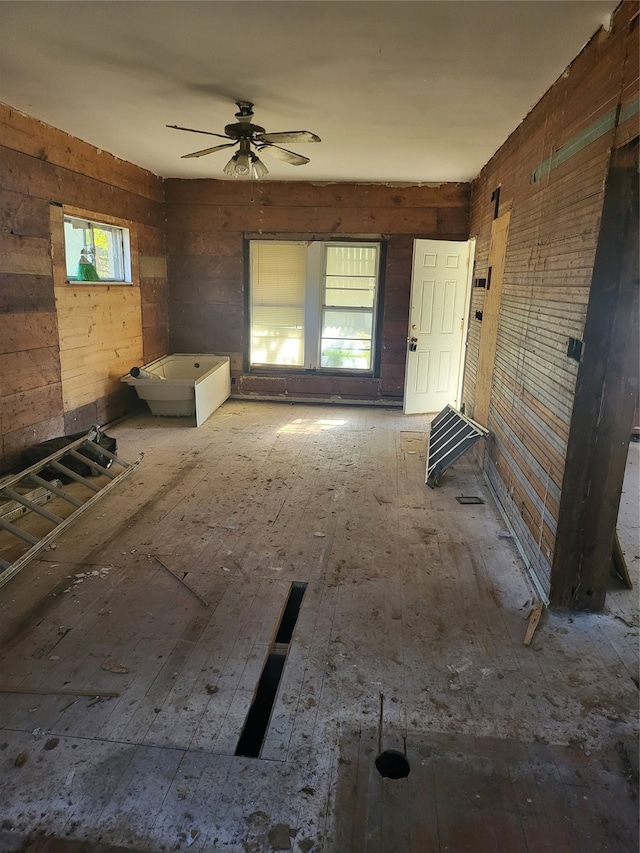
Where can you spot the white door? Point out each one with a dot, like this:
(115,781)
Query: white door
(440,285)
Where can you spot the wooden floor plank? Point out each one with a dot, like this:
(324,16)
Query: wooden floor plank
(410,595)
(131,812)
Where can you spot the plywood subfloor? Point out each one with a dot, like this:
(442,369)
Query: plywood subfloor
(410,595)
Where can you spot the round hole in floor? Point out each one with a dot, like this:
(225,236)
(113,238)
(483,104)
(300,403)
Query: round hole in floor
(392,764)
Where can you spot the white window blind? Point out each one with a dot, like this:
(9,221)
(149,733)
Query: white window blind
(348,307)
(278,280)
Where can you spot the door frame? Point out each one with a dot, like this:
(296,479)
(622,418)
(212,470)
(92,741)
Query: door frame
(467,317)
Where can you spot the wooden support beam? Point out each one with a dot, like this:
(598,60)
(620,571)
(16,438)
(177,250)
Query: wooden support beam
(604,402)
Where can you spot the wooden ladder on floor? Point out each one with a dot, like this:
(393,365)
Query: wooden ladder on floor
(24,493)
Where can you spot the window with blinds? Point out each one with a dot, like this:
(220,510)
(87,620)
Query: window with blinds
(313,305)
(278,279)
(350,284)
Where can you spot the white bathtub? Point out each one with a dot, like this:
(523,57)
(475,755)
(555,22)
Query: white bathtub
(186,384)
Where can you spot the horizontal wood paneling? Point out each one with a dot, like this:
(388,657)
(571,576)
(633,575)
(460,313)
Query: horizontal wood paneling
(41,169)
(207,221)
(102,332)
(23,215)
(325,387)
(36,178)
(26,331)
(48,144)
(28,369)
(152,266)
(555,223)
(154,314)
(154,295)
(206,328)
(24,255)
(14,441)
(18,409)
(326,220)
(25,293)
(102,410)
(304,195)
(155,341)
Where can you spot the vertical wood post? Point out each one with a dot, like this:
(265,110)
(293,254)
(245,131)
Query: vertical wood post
(604,401)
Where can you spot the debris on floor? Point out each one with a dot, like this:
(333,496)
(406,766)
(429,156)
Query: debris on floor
(534,618)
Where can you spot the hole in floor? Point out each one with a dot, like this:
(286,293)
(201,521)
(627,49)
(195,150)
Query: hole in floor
(257,722)
(255,727)
(291,611)
(392,764)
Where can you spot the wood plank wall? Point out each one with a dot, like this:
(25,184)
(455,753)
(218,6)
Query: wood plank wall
(208,221)
(100,340)
(41,166)
(99,325)
(553,234)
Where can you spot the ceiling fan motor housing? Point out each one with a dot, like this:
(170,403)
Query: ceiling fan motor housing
(242,130)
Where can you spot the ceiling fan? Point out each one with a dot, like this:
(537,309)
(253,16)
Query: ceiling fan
(245,162)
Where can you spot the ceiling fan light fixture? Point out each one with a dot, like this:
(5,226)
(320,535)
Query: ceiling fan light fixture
(230,168)
(243,165)
(259,169)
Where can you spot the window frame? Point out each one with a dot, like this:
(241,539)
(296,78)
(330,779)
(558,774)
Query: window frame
(325,307)
(125,252)
(314,306)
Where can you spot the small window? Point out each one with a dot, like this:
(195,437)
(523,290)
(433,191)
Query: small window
(96,252)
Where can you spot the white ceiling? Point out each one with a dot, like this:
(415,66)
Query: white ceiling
(418,91)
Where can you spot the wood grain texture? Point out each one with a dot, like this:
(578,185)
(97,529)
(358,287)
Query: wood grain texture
(100,331)
(491,317)
(605,401)
(207,221)
(409,594)
(18,408)
(28,369)
(17,438)
(27,330)
(26,293)
(24,215)
(41,141)
(43,169)
(553,235)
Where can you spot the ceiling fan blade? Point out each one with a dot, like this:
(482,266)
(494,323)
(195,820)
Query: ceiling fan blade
(193,130)
(207,151)
(289,136)
(282,154)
